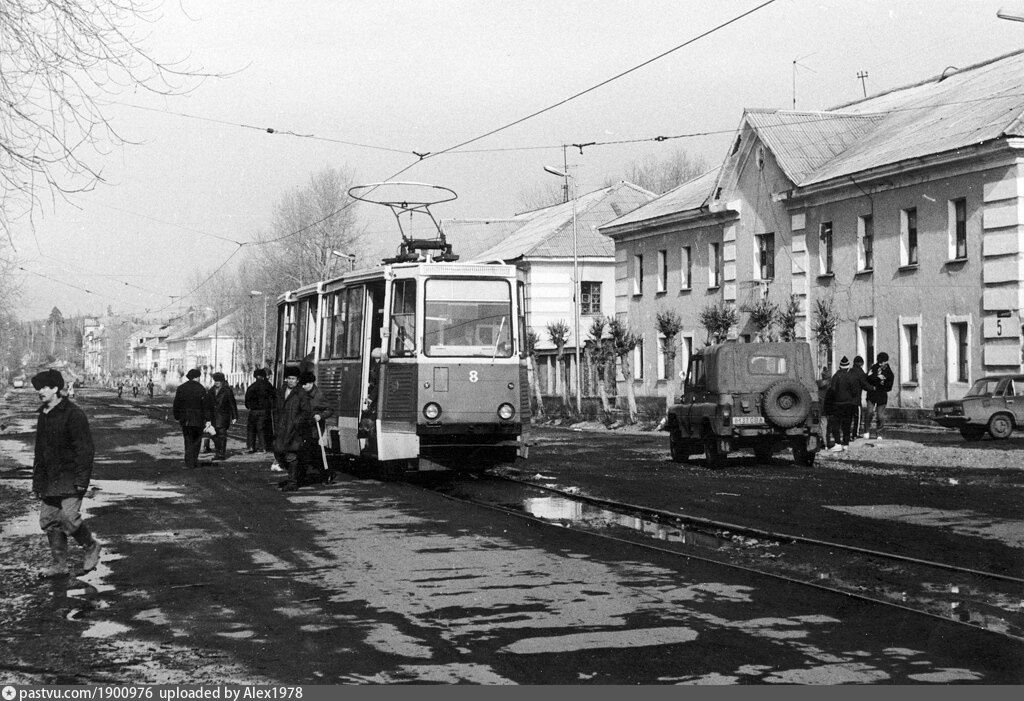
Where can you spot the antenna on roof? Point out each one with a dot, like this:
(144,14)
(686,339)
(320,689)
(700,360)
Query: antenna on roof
(796,62)
(862,75)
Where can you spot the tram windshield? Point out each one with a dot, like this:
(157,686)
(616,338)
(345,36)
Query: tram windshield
(468,318)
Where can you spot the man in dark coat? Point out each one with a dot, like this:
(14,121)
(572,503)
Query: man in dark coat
(881,378)
(311,458)
(61,472)
(259,400)
(844,390)
(292,417)
(193,412)
(224,413)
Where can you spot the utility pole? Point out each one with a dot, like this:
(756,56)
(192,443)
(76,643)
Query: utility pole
(863,75)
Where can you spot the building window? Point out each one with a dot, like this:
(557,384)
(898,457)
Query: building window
(714,264)
(960,351)
(908,237)
(865,242)
(590,297)
(662,271)
(685,268)
(766,256)
(662,358)
(638,360)
(958,229)
(825,248)
(910,354)
(638,275)
(866,342)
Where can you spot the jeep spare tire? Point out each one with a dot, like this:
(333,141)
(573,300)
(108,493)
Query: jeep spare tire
(786,403)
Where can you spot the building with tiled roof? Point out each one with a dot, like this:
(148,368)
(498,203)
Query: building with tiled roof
(902,213)
(542,243)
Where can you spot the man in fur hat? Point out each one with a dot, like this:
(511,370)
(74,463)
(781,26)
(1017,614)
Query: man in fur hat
(292,418)
(224,412)
(61,472)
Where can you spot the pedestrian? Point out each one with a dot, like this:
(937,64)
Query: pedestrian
(858,371)
(259,400)
(149,386)
(221,398)
(61,471)
(312,457)
(845,388)
(827,421)
(881,378)
(192,411)
(120,388)
(292,417)
(135,386)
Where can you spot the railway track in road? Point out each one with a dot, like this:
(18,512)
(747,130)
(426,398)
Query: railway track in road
(977,599)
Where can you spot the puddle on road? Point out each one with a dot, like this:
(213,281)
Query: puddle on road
(962,522)
(570,511)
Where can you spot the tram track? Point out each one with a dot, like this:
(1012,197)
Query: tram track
(977,599)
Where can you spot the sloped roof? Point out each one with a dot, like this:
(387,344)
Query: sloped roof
(803,142)
(470,237)
(548,232)
(691,195)
(965,108)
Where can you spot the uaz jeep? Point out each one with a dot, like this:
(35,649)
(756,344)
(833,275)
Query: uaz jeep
(758,396)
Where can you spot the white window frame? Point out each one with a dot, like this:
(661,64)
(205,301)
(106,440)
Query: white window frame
(638,274)
(910,374)
(955,387)
(662,258)
(951,228)
(662,362)
(714,264)
(685,268)
(759,272)
(826,249)
(905,247)
(862,348)
(863,264)
(638,360)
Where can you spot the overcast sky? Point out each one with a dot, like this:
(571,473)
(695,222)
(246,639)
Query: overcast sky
(368,83)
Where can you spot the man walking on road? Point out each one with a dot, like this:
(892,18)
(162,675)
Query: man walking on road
(61,472)
(221,398)
(259,400)
(292,417)
(192,411)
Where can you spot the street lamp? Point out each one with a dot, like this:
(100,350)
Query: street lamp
(1014,14)
(575,286)
(351,257)
(263,348)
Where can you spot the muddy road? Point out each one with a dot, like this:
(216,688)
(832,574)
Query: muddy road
(215,576)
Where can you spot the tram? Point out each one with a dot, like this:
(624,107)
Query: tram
(423,358)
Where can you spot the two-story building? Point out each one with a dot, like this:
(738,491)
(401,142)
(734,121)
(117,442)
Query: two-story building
(901,216)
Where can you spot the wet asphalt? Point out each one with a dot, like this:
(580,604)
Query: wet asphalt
(213,575)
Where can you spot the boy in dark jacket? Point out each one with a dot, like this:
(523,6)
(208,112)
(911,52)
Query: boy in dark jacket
(881,378)
(844,390)
(61,472)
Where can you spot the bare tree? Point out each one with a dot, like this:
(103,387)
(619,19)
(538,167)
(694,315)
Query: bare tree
(60,60)
(540,195)
(623,342)
(558,334)
(309,223)
(661,175)
(669,325)
(533,374)
(602,356)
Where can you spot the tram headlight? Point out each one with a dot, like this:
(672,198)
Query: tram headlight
(432,411)
(506,412)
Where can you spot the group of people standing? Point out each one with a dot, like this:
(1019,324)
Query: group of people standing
(289,421)
(841,400)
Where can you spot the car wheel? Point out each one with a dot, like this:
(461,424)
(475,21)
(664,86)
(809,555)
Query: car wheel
(1000,426)
(972,433)
(678,448)
(714,456)
(786,403)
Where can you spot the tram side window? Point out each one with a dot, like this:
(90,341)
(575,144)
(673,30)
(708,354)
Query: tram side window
(403,318)
(334,325)
(354,322)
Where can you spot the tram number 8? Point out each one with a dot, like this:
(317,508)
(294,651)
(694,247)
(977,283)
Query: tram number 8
(473,376)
